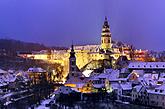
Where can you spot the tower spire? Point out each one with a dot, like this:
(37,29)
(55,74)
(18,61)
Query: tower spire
(106,25)
(72,48)
(72,53)
(72,62)
(105,18)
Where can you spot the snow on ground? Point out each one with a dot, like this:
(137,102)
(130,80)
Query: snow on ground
(43,104)
(42,107)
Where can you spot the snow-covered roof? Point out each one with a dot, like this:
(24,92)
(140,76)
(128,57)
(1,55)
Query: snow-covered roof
(43,104)
(63,90)
(7,95)
(123,70)
(80,85)
(11,71)
(147,65)
(162,75)
(76,80)
(86,47)
(98,85)
(36,70)
(161,79)
(149,80)
(139,72)
(151,76)
(87,73)
(75,89)
(94,77)
(138,87)
(7,78)
(110,74)
(126,86)
(159,90)
(115,85)
(3,71)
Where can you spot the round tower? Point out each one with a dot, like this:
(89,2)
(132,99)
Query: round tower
(106,36)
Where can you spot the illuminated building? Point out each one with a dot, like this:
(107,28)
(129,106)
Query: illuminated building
(106,36)
(107,50)
(37,75)
(147,67)
(75,76)
(140,55)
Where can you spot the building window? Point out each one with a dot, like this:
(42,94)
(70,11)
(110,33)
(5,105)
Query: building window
(161,91)
(72,68)
(156,65)
(72,74)
(73,62)
(105,41)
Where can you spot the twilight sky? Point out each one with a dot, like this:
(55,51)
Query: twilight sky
(58,22)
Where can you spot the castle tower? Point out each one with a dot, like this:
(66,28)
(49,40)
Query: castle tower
(72,62)
(106,36)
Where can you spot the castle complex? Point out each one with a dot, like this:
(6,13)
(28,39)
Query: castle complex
(106,50)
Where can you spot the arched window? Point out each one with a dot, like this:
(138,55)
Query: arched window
(105,41)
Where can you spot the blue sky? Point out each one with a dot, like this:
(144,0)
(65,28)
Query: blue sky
(58,22)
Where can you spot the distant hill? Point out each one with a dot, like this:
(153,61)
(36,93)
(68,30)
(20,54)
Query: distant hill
(16,45)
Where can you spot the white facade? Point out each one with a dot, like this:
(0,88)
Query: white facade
(157,97)
(147,65)
(63,90)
